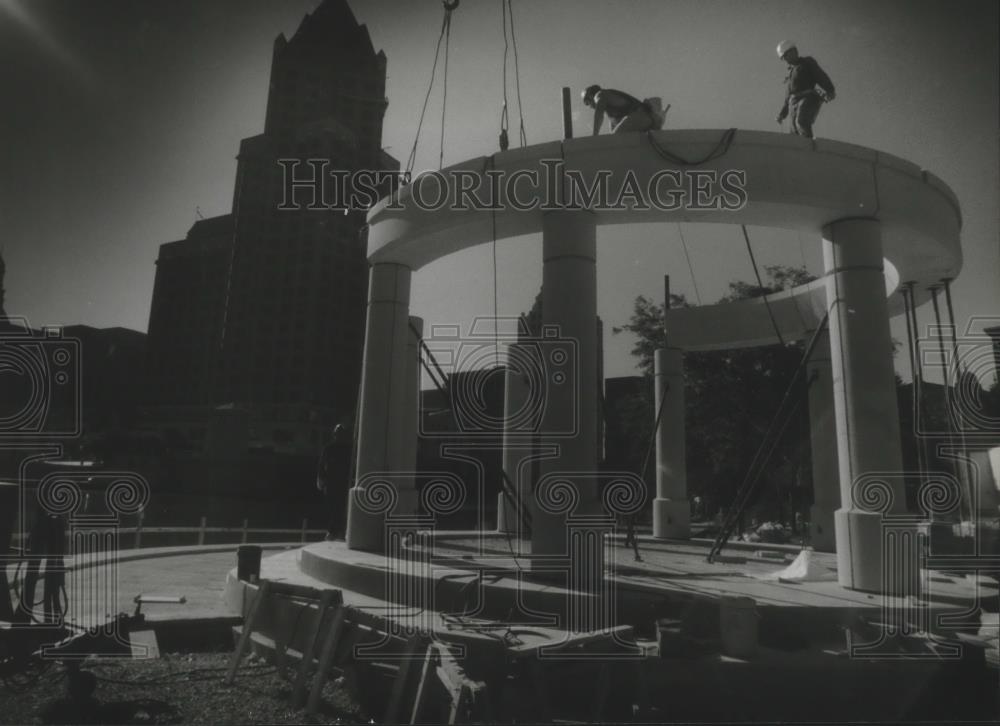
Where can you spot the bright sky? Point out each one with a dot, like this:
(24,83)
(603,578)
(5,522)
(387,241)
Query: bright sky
(121,117)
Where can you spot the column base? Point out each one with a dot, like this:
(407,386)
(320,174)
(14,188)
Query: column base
(822,530)
(365,529)
(861,549)
(671,518)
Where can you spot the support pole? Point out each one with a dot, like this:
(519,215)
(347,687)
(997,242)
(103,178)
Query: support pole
(409,420)
(671,509)
(868,440)
(567,113)
(911,346)
(516,448)
(967,466)
(569,420)
(919,408)
(384,382)
(823,447)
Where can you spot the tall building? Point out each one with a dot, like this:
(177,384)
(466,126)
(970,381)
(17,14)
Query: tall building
(187,313)
(279,328)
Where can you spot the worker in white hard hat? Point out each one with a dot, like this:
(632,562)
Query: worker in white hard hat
(626,112)
(806,88)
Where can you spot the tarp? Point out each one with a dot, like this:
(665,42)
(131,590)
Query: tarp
(804,568)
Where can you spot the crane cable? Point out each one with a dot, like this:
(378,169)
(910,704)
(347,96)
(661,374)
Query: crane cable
(444,36)
(510,43)
(517,76)
(504,138)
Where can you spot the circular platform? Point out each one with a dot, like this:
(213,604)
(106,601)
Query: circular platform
(790,182)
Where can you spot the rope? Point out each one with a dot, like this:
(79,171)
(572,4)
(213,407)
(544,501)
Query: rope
(694,280)
(445,28)
(760,284)
(444,84)
(517,505)
(504,118)
(517,76)
(493,248)
(720,149)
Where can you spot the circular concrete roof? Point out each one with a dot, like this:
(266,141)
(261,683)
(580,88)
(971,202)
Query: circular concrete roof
(790,182)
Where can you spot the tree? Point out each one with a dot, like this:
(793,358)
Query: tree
(731,397)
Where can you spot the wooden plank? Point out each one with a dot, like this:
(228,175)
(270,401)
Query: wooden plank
(349,668)
(425,674)
(143,644)
(562,639)
(414,645)
(248,624)
(458,705)
(327,599)
(326,657)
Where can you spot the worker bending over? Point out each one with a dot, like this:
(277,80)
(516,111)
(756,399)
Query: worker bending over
(626,113)
(802,99)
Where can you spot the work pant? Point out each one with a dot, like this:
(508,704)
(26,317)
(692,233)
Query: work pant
(638,120)
(335,494)
(804,111)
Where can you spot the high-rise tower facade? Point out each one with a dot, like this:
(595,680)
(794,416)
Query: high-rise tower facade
(295,284)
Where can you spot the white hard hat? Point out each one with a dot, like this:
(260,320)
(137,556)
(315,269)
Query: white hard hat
(785,46)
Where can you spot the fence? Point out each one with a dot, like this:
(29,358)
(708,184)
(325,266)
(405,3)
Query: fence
(303,533)
(232,535)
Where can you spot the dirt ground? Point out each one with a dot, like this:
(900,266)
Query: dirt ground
(174,689)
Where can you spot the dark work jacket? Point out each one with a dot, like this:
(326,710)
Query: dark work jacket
(334,463)
(618,104)
(805,76)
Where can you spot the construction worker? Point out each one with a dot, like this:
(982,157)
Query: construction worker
(333,480)
(807,87)
(626,113)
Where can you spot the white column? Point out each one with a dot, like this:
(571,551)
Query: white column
(864,393)
(671,509)
(569,302)
(823,443)
(384,384)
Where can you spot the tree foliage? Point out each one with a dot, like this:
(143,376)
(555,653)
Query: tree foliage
(731,397)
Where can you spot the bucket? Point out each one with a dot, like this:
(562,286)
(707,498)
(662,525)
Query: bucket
(248,563)
(738,620)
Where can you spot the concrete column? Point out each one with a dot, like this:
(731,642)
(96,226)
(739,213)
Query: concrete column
(569,420)
(516,445)
(385,380)
(823,442)
(410,420)
(671,509)
(864,394)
